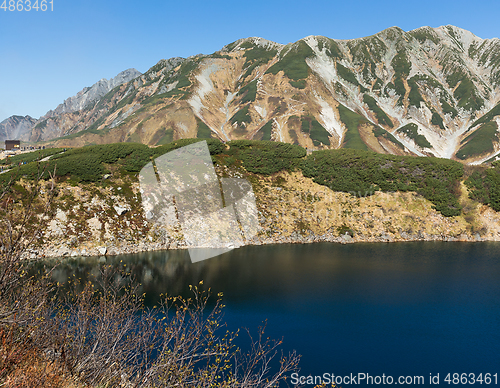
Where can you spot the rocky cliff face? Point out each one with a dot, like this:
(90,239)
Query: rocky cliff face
(430,91)
(92,220)
(16,128)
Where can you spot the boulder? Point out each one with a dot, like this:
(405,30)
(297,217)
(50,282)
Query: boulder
(120,210)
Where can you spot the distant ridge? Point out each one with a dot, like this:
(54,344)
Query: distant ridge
(19,127)
(90,94)
(16,127)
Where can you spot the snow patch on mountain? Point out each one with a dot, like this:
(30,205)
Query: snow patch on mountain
(324,67)
(205,87)
(262,111)
(330,121)
(230,96)
(321,64)
(280,124)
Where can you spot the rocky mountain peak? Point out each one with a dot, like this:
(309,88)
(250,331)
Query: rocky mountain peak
(253,41)
(16,127)
(89,94)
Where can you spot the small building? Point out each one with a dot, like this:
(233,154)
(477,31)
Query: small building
(12,145)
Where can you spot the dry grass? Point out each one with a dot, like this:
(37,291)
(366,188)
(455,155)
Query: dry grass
(22,365)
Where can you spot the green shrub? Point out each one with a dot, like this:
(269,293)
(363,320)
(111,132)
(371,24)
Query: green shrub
(362,173)
(378,85)
(203,131)
(332,48)
(88,164)
(80,167)
(84,168)
(181,75)
(293,63)
(28,157)
(256,56)
(377,131)
(352,120)
(301,84)
(382,117)
(215,146)
(264,133)
(479,142)
(411,130)
(165,136)
(400,89)
(41,125)
(414,97)
(388,87)
(249,92)
(257,53)
(447,108)
(424,34)
(468,96)
(488,116)
(315,130)
(401,65)
(484,186)
(347,74)
(437,120)
(251,68)
(218,55)
(266,157)
(242,116)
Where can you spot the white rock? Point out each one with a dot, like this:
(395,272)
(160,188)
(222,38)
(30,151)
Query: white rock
(120,210)
(102,250)
(347,237)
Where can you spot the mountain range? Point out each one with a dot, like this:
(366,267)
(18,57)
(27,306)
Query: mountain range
(428,92)
(19,127)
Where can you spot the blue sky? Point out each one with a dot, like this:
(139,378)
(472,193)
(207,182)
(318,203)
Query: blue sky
(49,56)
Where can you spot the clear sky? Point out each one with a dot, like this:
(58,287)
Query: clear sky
(46,57)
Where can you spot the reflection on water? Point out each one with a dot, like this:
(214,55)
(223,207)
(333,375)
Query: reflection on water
(382,273)
(420,308)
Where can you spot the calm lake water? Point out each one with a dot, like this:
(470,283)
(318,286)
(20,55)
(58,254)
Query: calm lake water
(396,309)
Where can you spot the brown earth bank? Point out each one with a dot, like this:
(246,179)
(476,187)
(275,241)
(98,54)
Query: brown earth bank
(95,220)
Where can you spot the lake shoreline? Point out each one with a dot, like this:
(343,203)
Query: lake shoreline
(111,249)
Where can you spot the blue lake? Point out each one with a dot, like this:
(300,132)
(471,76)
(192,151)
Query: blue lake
(399,309)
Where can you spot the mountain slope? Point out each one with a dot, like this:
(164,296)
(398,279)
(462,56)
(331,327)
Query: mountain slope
(59,121)
(422,92)
(16,127)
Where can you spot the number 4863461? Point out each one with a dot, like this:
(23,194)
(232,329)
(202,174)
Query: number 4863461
(27,5)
